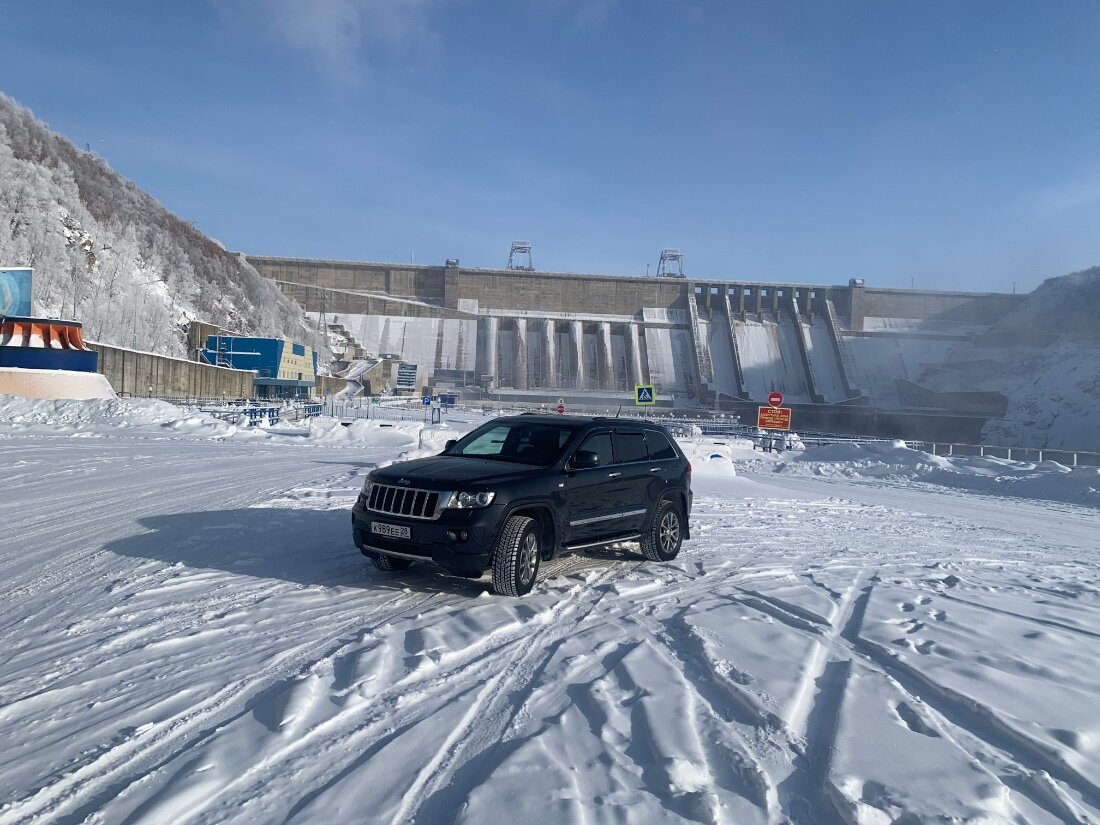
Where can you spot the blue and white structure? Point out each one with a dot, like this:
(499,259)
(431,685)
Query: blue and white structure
(42,357)
(284,369)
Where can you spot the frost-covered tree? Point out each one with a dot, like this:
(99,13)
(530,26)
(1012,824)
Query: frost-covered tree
(109,254)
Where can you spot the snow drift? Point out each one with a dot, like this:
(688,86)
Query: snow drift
(998,476)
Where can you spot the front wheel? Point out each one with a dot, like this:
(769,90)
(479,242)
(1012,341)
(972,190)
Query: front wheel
(516,557)
(665,535)
(391,564)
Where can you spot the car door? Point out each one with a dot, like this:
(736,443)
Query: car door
(635,479)
(590,499)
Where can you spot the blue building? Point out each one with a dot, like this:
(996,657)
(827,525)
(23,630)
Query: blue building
(283,369)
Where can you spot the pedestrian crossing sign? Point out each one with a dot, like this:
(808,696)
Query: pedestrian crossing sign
(644,395)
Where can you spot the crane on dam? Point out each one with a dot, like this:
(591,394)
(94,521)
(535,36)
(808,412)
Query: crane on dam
(520,248)
(671,264)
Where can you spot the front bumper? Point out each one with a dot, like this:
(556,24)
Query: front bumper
(429,540)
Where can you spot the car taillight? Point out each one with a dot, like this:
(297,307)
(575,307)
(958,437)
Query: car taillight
(689,469)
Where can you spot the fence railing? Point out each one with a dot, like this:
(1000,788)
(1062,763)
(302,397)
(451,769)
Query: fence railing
(1070,458)
(411,409)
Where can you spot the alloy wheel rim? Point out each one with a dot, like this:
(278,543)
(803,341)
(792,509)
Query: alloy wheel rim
(529,558)
(670,532)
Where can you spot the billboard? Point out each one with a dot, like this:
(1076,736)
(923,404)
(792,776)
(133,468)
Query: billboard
(15,291)
(773,418)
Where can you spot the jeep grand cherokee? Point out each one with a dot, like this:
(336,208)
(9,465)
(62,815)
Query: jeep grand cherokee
(521,490)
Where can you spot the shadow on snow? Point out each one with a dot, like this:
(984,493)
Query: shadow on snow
(299,545)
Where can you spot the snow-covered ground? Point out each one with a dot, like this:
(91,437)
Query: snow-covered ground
(189,635)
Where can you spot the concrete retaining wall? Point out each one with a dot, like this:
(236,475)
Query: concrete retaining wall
(444,287)
(146,374)
(959,307)
(325,383)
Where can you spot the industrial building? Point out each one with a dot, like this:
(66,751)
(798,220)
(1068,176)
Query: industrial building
(283,369)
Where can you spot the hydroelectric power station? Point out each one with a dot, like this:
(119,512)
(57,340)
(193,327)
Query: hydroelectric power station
(846,356)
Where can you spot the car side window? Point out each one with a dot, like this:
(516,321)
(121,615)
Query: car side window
(629,447)
(601,445)
(659,446)
(490,442)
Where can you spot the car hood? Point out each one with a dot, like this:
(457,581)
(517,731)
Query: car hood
(454,472)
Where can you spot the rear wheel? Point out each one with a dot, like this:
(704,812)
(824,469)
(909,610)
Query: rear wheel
(665,535)
(516,557)
(390,564)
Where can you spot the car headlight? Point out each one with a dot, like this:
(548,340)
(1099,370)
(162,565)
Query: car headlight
(470,501)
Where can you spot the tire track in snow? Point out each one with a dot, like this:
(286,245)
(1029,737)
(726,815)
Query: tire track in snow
(364,730)
(493,710)
(979,721)
(87,788)
(977,728)
(727,708)
(814,716)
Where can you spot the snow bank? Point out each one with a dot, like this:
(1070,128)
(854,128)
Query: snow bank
(114,412)
(998,476)
(712,461)
(151,418)
(53,384)
(431,440)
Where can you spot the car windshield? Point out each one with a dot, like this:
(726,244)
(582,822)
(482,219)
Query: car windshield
(519,441)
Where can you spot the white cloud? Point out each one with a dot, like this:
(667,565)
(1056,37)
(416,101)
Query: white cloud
(339,34)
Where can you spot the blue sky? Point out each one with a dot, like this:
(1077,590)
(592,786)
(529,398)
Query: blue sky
(943,144)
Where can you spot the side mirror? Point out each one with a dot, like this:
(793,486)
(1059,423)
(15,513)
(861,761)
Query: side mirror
(450,443)
(585,460)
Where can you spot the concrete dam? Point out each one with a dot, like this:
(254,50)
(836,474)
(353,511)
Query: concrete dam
(846,357)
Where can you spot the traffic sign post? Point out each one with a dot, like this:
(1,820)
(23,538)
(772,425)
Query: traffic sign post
(645,395)
(426,400)
(776,399)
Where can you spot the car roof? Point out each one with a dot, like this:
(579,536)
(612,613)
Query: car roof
(581,420)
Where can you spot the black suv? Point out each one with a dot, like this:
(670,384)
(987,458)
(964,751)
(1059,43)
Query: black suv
(524,489)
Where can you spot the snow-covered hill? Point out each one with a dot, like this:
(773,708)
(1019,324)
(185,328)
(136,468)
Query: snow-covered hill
(133,270)
(1045,357)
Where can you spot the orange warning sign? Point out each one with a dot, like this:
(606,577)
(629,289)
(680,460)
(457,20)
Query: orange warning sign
(773,418)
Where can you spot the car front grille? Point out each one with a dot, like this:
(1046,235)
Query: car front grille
(403,501)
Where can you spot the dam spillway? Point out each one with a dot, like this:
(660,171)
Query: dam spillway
(704,343)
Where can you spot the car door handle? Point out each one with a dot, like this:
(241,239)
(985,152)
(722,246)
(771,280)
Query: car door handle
(613,475)
(654,469)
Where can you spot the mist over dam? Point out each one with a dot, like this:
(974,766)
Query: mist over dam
(847,356)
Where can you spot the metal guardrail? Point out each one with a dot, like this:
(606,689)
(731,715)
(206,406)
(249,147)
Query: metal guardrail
(1070,458)
(255,415)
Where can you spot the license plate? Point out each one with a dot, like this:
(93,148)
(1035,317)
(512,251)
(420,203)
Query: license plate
(391,531)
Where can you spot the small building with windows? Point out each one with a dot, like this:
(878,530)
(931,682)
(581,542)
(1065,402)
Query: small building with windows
(283,368)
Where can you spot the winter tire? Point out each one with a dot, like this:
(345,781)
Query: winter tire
(516,557)
(391,564)
(665,535)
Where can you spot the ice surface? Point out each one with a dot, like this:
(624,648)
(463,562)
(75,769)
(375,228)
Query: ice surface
(875,364)
(823,361)
(770,360)
(671,359)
